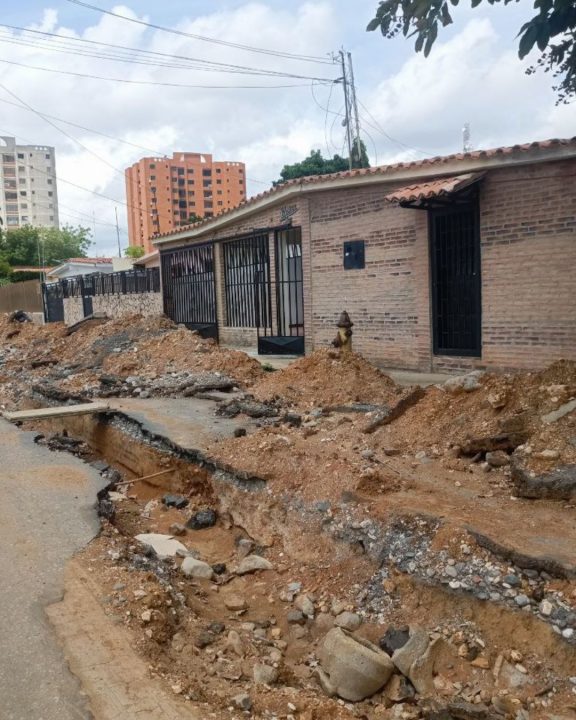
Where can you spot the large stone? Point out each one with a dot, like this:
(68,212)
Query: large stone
(196,568)
(351,667)
(163,545)
(399,689)
(497,458)
(464,383)
(560,412)
(202,519)
(348,621)
(252,563)
(265,675)
(394,638)
(413,650)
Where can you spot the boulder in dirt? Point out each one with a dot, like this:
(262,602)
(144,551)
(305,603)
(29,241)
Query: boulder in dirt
(252,563)
(175,501)
(202,519)
(264,674)
(411,651)
(348,620)
(560,484)
(163,545)
(351,667)
(420,660)
(497,458)
(464,383)
(236,603)
(242,701)
(399,689)
(191,567)
(394,638)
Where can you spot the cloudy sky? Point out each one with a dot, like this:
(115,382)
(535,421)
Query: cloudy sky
(409,106)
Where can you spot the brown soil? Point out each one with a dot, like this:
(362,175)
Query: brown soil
(180,349)
(328,377)
(443,419)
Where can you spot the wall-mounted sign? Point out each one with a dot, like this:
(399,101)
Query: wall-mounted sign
(286,212)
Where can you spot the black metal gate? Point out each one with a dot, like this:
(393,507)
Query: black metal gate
(283,331)
(189,289)
(87,291)
(456,287)
(247,281)
(53,296)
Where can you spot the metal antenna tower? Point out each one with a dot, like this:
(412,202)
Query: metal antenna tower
(466,140)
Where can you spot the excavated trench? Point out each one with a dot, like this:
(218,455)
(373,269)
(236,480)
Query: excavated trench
(388,572)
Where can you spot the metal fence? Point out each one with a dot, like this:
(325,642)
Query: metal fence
(25,296)
(125,282)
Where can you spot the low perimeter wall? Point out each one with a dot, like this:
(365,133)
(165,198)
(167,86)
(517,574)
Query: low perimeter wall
(115,306)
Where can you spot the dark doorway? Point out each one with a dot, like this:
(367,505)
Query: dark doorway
(284,333)
(189,288)
(456,288)
(87,289)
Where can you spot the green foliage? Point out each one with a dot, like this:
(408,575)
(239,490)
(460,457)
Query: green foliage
(553,19)
(23,276)
(316,164)
(193,218)
(134,251)
(39,246)
(48,246)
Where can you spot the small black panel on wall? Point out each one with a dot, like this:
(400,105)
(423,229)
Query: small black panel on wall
(354,255)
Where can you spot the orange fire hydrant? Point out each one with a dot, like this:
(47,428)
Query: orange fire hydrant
(343,339)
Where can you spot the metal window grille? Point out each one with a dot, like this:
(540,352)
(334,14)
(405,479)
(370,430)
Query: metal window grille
(247,281)
(289,283)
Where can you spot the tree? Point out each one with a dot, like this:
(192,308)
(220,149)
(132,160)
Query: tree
(134,251)
(553,19)
(316,164)
(193,218)
(30,245)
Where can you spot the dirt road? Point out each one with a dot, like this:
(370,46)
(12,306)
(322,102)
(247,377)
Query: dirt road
(47,512)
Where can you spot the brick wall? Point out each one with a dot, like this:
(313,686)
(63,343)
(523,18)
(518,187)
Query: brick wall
(528,256)
(384,299)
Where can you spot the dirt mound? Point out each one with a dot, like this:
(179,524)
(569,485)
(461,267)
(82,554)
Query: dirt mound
(516,404)
(180,349)
(328,377)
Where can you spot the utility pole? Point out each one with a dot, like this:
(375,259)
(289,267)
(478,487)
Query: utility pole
(347,107)
(355,107)
(118,232)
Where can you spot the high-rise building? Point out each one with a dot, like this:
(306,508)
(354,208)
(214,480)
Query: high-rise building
(28,181)
(164,193)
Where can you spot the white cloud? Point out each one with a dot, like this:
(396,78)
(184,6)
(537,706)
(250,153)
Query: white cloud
(473,76)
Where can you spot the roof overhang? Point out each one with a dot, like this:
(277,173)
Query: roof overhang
(391,175)
(435,193)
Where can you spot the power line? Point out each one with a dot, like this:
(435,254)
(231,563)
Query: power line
(248,48)
(150,82)
(154,152)
(379,128)
(146,57)
(66,134)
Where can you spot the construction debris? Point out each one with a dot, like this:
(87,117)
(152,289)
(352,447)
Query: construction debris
(360,551)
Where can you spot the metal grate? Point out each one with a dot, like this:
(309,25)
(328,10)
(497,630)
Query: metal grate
(289,285)
(247,281)
(53,302)
(189,288)
(456,293)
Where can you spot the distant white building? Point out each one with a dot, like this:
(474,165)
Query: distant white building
(28,194)
(80,266)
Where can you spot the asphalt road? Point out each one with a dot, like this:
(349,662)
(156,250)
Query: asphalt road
(47,512)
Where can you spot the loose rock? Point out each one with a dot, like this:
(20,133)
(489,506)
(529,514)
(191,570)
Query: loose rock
(252,563)
(191,567)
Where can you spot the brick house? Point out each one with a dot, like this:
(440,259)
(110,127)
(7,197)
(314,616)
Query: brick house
(451,262)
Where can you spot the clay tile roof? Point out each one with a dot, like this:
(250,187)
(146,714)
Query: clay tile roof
(434,163)
(441,187)
(91,261)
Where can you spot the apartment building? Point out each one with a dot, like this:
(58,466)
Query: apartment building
(164,193)
(28,181)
